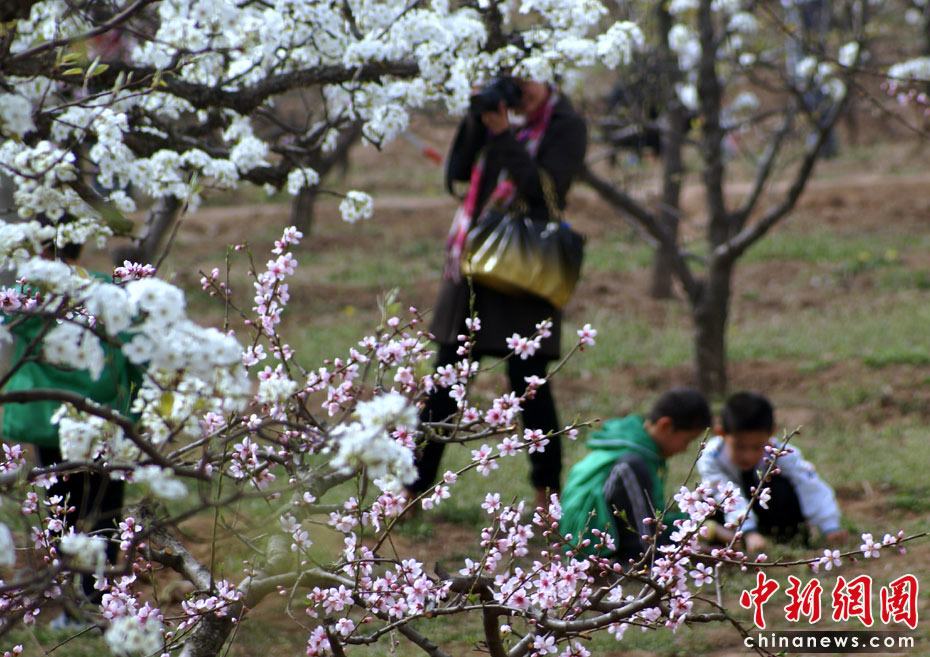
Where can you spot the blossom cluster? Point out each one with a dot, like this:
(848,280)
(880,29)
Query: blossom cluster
(370,64)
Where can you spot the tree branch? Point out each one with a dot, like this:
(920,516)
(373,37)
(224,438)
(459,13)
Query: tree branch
(738,244)
(116,20)
(764,172)
(243,100)
(422,642)
(644,220)
(86,405)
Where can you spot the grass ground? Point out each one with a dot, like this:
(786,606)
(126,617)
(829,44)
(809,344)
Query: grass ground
(829,317)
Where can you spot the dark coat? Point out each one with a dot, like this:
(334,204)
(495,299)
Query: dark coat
(561,154)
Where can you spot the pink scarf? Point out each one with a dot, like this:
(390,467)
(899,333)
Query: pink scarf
(504,192)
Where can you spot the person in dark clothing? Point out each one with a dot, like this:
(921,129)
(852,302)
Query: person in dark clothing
(621,482)
(501,163)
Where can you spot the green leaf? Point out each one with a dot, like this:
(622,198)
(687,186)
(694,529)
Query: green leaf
(97,70)
(74,71)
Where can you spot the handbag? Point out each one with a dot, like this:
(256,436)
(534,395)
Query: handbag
(509,251)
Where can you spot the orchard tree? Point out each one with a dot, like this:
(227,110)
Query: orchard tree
(230,415)
(187,101)
(715,55)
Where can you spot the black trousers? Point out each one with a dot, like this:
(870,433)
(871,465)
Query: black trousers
(538,413)
(783,520)
(97,502)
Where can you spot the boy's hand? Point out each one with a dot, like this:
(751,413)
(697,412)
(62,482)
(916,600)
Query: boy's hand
(754,542)
(839,537)
(717,533)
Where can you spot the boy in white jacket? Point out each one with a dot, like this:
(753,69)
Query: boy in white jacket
(796,496)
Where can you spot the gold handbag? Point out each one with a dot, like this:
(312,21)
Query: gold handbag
(509,251)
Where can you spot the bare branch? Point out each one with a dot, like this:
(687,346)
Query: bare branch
(764,172)
(645,220)
(422,642)
(738,244)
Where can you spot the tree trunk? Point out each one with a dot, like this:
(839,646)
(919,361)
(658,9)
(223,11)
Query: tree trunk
(160,221)
(302,209)
(663,264)
(710,314)
(672,171)
(673,125)
(304,204)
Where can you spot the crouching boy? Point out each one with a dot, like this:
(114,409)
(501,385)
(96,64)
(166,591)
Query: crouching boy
(795,498)
(621,482)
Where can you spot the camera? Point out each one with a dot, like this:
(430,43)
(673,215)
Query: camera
(502,89)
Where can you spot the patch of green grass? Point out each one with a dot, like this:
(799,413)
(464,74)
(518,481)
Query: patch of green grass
(850,452)
(331,337)
(900,278)
(822,246)
(885,331)
(617,252)
(403,265)
(915,499)
(625,339)
(850,394)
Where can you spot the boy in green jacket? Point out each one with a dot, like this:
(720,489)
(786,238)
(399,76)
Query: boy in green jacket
(621,482)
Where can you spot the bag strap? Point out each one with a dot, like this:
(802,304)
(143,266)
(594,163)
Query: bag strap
(549,195)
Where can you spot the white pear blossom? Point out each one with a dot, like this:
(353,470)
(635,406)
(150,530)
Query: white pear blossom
(112,305)
(71,345)
(617,45)
(356,205)
(162,302)
(16,114)
(387,409)
(371,447)
(688,95)
(7,547)
(743,23)
(676,7)
(848,54)
(275,390)
(51,275)
(85,551)
(367,443)
(128,636)
(745,102)
(917,69)
(300,178)
(161,481)
(79,439)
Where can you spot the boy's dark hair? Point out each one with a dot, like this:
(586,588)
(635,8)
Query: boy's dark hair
(686,407)
(69,251)
(747,411)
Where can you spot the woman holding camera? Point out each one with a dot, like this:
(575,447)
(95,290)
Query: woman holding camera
(502,163)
